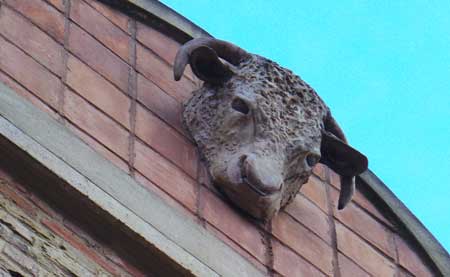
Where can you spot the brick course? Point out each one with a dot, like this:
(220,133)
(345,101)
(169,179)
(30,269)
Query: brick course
(87,83)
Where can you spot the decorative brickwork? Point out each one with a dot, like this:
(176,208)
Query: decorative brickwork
(109,79)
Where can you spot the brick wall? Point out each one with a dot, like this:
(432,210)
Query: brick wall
(109,79)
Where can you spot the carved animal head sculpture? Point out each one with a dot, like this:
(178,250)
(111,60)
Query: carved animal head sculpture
(260,128)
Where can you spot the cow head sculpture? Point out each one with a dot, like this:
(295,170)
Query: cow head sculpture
(260,128)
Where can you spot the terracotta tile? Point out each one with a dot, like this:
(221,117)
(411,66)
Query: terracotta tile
(115,16)
(348,268)
(164,46)
(303,210)
(102,150)
(166,175)
(101,28)
(29,73)
(59,4)
(32,40)
(236,227)
(236,248)
(161,74)
(166,141)
(409,258)
(96,124)
(43,15)
(167,198)
(161,44)
(361,199)
(98,57)
(321,171)
(315,191)
(366,226)
(362,253)
(20,90)
(98,91)
(160,103)
(304,242)
(290,264)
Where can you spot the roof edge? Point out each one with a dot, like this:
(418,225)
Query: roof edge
(424,238)
(182,29)
(161,17)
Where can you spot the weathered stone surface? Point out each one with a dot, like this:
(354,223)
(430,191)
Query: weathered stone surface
(260,128)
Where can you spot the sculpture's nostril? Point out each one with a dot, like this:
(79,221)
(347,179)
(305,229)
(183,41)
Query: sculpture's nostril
(259,175)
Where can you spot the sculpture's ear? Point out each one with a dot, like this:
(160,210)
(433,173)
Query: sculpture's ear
(207,66)
(341,157)
(345,161)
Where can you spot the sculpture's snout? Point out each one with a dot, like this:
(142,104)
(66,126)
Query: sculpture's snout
(260,174)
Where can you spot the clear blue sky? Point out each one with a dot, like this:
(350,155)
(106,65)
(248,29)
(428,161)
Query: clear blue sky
(383,67)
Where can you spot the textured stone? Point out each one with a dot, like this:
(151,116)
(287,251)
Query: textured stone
(260,128)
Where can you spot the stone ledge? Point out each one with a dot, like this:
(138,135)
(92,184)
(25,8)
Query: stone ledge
(112,190)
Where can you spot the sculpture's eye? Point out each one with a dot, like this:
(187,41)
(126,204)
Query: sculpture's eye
(239,105)
(312,159)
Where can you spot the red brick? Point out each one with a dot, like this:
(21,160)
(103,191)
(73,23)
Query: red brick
(204,178)
(98,57)
(366,226)
(304,242)
(289,264)
(315,191)
(404,273)
(162,75)
(78,244)
(304,211)
(236,247)
(161,44)
(166,141)
(27,95)
(102,150)
(101,28)
(146,183)
(59,4)
(43,15)
(98,91)
(166,175)
(29,73)
(96,124)
(349,268)
(233,225)
(335,179)
(31,40)
(321,171)
(159,102)
(359,198)
(116,17)
(362,253)
(164,46)
(409,258)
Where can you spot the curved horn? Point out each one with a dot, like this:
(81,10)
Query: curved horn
(225,50)
(342,158)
